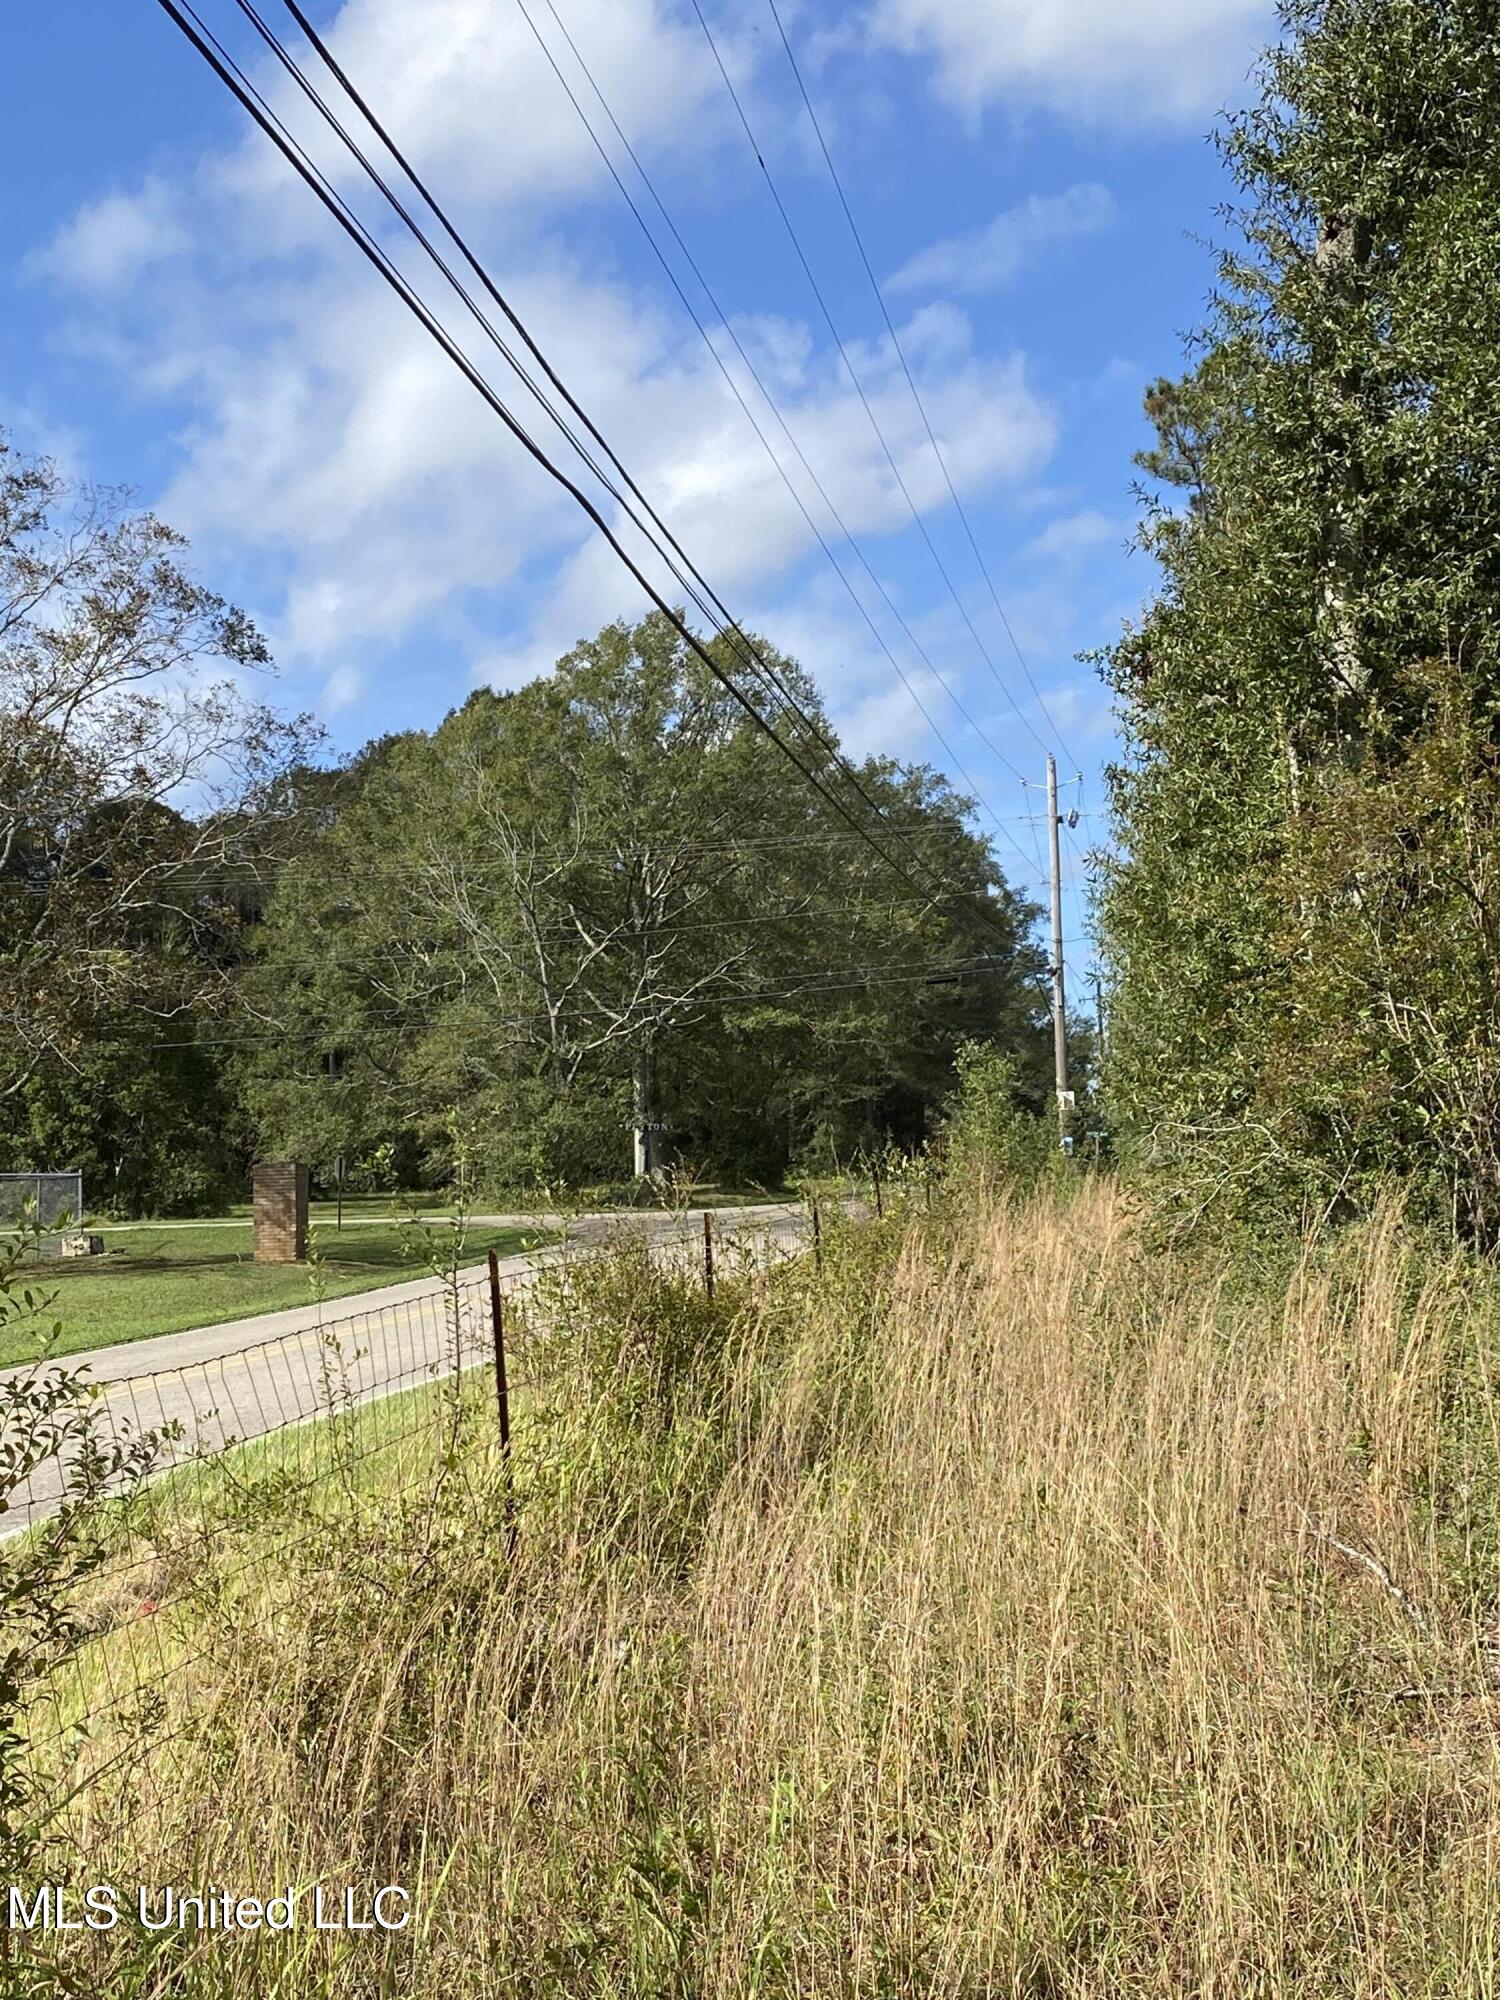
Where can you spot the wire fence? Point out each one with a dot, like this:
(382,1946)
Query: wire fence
(204,1483)
(54,1200)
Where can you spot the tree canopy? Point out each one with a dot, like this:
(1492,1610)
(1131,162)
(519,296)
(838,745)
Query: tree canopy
(579,931)
(1302,921)
(142,796)
(604,903)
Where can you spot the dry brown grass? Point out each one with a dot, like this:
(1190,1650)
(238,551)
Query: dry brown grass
(1005,1611)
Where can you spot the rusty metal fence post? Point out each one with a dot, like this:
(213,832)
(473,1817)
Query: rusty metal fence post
(502,1399)
(879,1192)
(708,1252)
(497,1325)
(817,1234)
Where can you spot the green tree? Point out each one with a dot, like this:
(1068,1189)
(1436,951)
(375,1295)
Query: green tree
(604,903)
(153,1132)
(140,801)
(1326,519)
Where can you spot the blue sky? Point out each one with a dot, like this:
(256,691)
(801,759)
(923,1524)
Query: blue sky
(1029,177)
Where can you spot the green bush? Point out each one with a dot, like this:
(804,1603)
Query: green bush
(990,1139)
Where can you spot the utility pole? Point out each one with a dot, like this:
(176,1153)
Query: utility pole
(643,1087)
(1059,993)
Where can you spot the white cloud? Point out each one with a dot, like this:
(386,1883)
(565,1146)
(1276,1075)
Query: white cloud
(678,425)
(719,479)
(1100,60)
(329,439)
(336,438)
(1083,711)
(1118,373)
(869,703)
(332,455)
(116,241)
(334,441)
(340,690)
(1073,535)
(982,746)
(474,102)
(985,259)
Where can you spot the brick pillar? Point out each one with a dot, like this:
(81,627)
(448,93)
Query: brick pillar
(280,1212)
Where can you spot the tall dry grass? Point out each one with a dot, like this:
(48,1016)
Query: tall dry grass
(999,1611)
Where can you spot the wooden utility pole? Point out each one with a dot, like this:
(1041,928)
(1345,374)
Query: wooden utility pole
(1059,992)
(643,1087)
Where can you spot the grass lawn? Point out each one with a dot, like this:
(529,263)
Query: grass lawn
(357,1208)
(161,1278)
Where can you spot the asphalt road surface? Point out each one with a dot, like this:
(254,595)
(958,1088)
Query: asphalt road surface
(246,1378)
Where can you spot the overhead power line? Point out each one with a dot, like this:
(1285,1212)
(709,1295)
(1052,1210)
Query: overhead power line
(709,603)
(251,872)
(770,400)
(402,950)
(823,912)
(202,39)
(321,184)
(836,979)
(859,388)
(1080,869)
(938,452)
(417,874)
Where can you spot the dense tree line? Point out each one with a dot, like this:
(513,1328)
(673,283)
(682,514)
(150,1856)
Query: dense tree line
(598,925)
(581,931)
(1304,917)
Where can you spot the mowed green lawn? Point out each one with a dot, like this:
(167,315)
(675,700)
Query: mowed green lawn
(163,1277)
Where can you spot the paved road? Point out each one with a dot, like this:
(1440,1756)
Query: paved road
(249,1377)
(356,1219)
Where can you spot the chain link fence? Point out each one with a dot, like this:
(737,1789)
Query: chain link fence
(51,1201)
